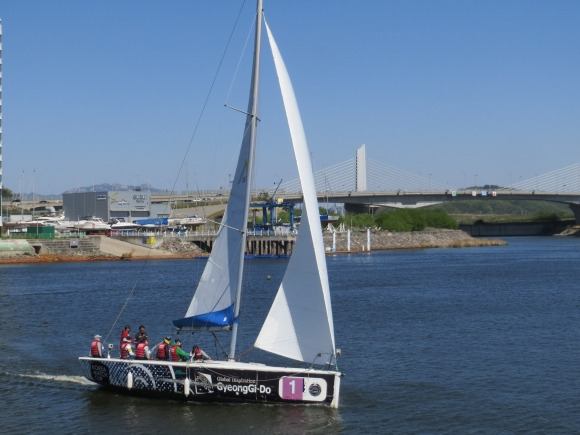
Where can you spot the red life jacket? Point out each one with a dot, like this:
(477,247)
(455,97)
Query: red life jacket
(140,352)
(124,334)
(173,353)
(197,354)
(95,349)
(124,353)
(162,351)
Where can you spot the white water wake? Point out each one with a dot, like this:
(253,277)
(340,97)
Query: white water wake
(55,378)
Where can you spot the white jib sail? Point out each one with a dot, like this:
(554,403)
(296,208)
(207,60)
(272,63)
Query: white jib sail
(300,325)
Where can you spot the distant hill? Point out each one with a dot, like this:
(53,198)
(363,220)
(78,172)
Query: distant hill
(105,187)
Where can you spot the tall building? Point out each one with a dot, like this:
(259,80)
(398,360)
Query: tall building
(128,205)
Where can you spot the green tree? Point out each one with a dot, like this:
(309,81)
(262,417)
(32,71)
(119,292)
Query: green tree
(6,193)
(362,220)
(401,220)
(414,220)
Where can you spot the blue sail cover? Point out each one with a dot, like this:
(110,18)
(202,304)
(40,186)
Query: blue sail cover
(222,319)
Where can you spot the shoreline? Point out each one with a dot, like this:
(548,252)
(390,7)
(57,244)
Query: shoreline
(379,241)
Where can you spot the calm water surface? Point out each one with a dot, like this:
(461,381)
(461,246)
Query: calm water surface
(473,340)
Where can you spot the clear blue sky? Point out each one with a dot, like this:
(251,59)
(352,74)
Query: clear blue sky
(110,91)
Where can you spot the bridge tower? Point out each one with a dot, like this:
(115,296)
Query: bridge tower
(361,169)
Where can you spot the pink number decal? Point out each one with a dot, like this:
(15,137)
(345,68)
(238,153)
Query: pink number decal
(292,388)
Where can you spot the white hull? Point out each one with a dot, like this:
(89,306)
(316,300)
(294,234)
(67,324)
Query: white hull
(124,226)
(94,224)
(90,227)
(190,221)
(216,381)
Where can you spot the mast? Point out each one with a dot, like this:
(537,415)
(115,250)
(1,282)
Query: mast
(1,191)
(251,124)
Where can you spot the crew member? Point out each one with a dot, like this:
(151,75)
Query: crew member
(163,349)
(126,336)
(198,354)
(140,334)
(176,352)
(97,347)
(142,351)
(126,350)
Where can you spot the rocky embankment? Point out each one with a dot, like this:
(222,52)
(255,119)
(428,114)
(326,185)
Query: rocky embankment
(56,258)
(383,240)
(379,240)
(181,248)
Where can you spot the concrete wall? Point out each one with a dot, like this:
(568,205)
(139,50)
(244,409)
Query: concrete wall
(63,246)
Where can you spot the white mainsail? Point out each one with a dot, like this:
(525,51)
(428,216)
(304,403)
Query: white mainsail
(212,304)
(300,325)
(215,304)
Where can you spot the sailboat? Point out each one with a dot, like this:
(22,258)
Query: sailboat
(299,325)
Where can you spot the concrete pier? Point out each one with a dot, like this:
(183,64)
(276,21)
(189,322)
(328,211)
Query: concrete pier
(279,245)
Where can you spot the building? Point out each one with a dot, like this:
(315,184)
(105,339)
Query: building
(127,205)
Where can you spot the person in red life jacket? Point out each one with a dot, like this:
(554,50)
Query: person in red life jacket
(97,347)
(163,349)
(176,352)
(140,334)
(126,336)
(142,351)
(198,354)
(126,350)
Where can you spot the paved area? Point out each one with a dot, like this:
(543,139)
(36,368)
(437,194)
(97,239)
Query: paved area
(119,248)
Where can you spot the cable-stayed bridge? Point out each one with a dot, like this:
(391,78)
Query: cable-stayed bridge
(361,183)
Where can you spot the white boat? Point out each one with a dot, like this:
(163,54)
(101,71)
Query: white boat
(299,325)
(190,221)
(40,221)
(90,223)
(121,224)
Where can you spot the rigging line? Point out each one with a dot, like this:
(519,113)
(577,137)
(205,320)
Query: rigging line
(131,294)
(224,225)
(209,93)
(238,356)
(248,38)
(217,343)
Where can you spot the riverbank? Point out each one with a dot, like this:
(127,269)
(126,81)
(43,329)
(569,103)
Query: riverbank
(385,240)
(337,243)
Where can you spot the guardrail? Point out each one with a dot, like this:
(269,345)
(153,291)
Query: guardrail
(141,233)
(56,235)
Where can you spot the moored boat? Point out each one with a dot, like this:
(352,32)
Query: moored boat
(89,223)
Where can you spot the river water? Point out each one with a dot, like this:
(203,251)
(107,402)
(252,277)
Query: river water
(471,340)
